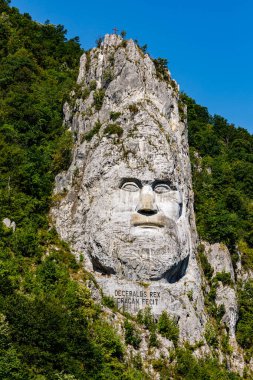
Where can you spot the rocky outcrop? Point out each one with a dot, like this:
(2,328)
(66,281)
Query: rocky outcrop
(9,224)
(223,276)
(219,258)
(126,202)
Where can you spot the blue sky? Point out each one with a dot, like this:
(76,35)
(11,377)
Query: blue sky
(208,43)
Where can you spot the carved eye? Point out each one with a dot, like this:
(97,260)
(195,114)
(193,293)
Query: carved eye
(130,186)
(161,188)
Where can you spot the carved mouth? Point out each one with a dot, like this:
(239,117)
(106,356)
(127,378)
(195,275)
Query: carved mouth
(147,225)
(153,221)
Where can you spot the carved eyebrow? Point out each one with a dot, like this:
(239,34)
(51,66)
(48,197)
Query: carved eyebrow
(163,182)
(134,180)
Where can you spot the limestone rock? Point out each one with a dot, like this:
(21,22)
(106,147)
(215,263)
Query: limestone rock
(219,258)
(126,201)
(9,224)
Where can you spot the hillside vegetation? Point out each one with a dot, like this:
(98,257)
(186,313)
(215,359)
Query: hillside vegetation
(50,327)
(222,162)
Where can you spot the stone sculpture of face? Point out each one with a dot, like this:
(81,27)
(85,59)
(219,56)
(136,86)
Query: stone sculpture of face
(136,223)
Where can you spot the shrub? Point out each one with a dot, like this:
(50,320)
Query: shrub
(161,68)
(123,34)
(181,110)
(187,367)
(207,269)
(161,365)
(63,152)
(113,129)
(133,108)
(93,85)
(88,136)
(146,318)
(220,312)
(144,48)
(224,277)
(109,302)
(153,340)
(132,336)
(123,43)
(114,115)
(244,329)
(137,361)
(211,334)
(85,92)
(25,242)
(107,77)
(168,328)
(98,98)
(99,41)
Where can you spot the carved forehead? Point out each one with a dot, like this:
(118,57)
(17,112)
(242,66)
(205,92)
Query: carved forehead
(145,156)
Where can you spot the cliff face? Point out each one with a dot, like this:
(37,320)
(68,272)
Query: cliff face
(126,202)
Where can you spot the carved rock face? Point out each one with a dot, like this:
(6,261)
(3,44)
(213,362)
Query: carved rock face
(130,209)
(136,224)
(126,201)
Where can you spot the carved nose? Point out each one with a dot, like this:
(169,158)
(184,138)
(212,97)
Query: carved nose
(147,205)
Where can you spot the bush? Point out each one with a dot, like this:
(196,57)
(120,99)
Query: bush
(99,41)
(88,136)
(93,85)
(123,34)
(132,336)
(124,44)
(153,340)
(133,108)
(98,98)
(109,302)
(190,368)
(244,328)
(161,65)
(211,335)
(63,152)
(168,328)
(207,269)
(146,318)
(107,77)
(25,242)
(144,48)
(224,277)
(114,115)
(113,129)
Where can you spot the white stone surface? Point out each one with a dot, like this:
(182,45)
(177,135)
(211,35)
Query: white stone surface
(126,202)
(219,258)
(9,224)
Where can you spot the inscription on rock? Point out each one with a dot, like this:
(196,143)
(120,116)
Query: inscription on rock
(132,297)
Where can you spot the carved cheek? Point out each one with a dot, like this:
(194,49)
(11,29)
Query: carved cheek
(127,200)
(170,206)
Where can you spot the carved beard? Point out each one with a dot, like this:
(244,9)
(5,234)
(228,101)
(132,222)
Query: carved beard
(143,255)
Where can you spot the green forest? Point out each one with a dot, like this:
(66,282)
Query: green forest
(50,327)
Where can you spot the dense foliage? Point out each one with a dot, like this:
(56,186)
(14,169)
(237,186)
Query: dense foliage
(244,332)
(38,67)
(222,162)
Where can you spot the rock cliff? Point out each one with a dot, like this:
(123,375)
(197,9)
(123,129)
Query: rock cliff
(126,202)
